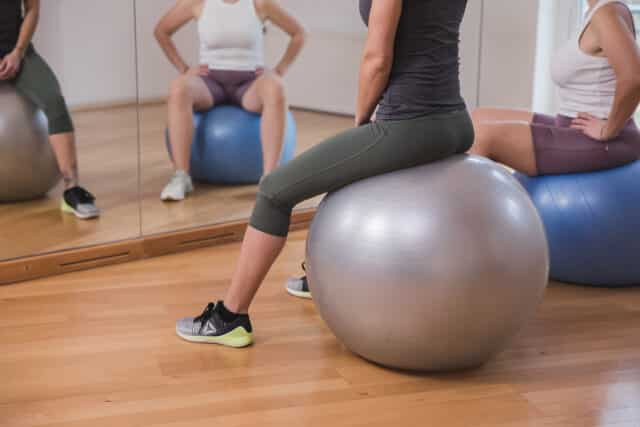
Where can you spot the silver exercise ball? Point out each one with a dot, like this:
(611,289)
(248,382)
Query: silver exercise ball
(432,268)
(28,167)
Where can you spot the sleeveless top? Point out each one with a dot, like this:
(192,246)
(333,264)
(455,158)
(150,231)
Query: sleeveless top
(586,83)
(231,36)
(424,77)
(10,23)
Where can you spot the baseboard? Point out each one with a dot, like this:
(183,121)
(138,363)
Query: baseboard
(36,267)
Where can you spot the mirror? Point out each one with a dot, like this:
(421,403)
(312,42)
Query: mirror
(95,67)
(315,82)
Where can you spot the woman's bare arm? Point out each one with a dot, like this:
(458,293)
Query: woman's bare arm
(281,18)
(377,59)
(618,44)
(179,15)
(10,64)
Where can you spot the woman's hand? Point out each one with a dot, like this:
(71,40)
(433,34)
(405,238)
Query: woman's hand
(10,65)
(592,126)
(199,70)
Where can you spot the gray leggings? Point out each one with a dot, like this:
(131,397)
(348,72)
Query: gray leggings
(366,151)
(38,83)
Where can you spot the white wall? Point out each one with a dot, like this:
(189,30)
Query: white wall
(89,44)
(155,70)
(508,53)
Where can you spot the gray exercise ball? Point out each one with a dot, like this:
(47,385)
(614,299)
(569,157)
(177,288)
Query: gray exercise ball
(28,167)
(432,268)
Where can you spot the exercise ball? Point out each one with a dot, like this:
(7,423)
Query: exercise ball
(432,268)
(593,224)
(28,167)
(227,147)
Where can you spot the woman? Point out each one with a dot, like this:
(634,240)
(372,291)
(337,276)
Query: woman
(230,72)
(598,76)
(410,71)
(22,67)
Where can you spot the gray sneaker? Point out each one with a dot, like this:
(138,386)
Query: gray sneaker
(79,202)
(299,287)
(178,187)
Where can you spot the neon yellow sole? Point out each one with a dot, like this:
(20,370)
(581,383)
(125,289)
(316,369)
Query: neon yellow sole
(237,338)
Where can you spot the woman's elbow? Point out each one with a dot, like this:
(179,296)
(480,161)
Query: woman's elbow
(300,37)
(378,61)
(159,33)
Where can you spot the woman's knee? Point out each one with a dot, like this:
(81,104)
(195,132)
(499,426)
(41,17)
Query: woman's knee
(179,90)
(57,112)
(273,90)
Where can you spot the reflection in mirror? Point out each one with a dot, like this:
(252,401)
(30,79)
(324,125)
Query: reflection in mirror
(194,60)
(68,125)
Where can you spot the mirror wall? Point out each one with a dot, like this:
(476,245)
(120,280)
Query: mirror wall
(116,78)
(89,46)
(310,83)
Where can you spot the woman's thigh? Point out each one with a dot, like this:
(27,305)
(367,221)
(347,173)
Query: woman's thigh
(255,93)
(489,114)
(37,81)
(562,150)
(199,92)
(366,151)
(509,143)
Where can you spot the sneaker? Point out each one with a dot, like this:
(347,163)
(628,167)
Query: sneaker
(79,202)
(210,328)
(299,287)
(178,187)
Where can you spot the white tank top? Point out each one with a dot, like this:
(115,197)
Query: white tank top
(231,36)
(586,83)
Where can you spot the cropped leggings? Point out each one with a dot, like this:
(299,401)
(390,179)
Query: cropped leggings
(37,82)
(359,153)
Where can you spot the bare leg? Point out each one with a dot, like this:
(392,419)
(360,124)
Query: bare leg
(64,147)
(186,94)
(508,143)
(481,115)
(266,95)
(258,253)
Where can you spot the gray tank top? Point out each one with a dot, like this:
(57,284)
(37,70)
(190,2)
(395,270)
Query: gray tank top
(425,76)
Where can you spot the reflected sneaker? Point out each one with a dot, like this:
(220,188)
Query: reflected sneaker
(178,187)
(79,202)
(210,327)
(299,287)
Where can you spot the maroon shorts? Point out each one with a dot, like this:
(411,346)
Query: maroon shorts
(228,86)
(560,149)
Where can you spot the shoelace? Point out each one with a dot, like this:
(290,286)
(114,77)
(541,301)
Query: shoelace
(206,314)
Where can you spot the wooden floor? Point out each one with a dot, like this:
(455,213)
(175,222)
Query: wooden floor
(97,349)
(108,155)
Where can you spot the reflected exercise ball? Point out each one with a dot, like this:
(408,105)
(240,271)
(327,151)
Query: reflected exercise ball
(593,224)
(28,168)
(227,147)
(432,268)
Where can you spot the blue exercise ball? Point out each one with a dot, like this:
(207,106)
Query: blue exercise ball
(227,147)
(592,222)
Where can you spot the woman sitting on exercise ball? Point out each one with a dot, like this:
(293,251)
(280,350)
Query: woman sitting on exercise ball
(230,71)
(409,70)
(598,76)
(22,67)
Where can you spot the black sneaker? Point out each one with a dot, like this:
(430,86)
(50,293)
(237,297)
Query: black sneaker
(210,328)
(79,202)
(299,287)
